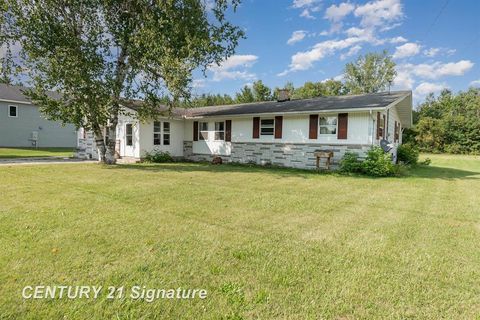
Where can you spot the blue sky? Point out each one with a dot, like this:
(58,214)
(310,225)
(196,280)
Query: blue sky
(435,43)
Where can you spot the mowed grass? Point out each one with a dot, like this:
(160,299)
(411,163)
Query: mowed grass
(264,243)
(33,152)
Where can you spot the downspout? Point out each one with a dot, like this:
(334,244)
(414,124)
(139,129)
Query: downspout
(372,131)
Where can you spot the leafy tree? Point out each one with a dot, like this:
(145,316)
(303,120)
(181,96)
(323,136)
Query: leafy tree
(245,95)
(261,92)
(318,89)
(210,100)
(369,73)
(97,53)
(308,90)
(449,123)
(333,87)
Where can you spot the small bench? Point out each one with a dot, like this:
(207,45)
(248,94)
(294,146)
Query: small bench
(327,155)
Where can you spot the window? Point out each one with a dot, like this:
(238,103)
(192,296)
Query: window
(328,125)
(13,111)
(157,133)
(203,129)
(220,130)
(381,128)
(129,134)
(267,127)
(166,133)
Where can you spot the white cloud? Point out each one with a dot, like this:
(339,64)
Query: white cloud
(449,52)
(297,36)
(408,73)
(198,83)
(432,52)
(379,13)
(304,3)
(404,80)
(475,83)
(337,13)
(406,50)
(307,6)
(304,60)
(356,36)
(437,69)
(357,32)
(234,68)
(246,60)
(351,52)
(336,78)
(365,34)
(397,40)
(425,88)
(306,14)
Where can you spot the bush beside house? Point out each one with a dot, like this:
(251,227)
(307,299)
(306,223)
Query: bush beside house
(377,163)
(158,157)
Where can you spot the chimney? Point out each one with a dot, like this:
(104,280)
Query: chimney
(283,95)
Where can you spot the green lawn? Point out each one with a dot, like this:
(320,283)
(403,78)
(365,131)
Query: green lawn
(32,152)
(264,243)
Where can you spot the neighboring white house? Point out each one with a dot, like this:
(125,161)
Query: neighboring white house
(284,133)
(23,125)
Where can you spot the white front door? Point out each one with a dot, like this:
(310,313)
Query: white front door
(129,140)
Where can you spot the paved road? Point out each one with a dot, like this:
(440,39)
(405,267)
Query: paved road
(46,160)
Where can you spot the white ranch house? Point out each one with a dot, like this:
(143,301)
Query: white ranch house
(284,133)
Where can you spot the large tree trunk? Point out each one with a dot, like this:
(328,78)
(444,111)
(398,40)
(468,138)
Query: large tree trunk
(105,142)
(110,142)
(100,143)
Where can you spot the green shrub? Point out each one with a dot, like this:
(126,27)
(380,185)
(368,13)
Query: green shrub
(350,163)
(378,163)
(426,162)
(407,154)
(158,157)
(454,148)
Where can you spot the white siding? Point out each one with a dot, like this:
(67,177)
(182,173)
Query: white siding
(176,138)
(361,131)
(209,146)
(391,117)
(391,126)
(295,130)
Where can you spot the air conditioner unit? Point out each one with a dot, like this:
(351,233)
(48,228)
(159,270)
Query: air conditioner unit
(34,139)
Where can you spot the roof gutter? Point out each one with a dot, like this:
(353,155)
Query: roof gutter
(15,101)
(285,113)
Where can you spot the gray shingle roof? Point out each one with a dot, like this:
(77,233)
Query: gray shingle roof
(161,109)
(15,93)
(350,102)
(363,101)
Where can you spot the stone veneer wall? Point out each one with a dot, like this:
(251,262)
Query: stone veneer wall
(295,155)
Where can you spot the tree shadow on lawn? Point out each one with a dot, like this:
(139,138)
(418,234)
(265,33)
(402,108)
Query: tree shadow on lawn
(446,173)
(427,172)
(223,168)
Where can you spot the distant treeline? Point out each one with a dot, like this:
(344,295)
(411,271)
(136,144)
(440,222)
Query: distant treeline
(260,92)
(447,123)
